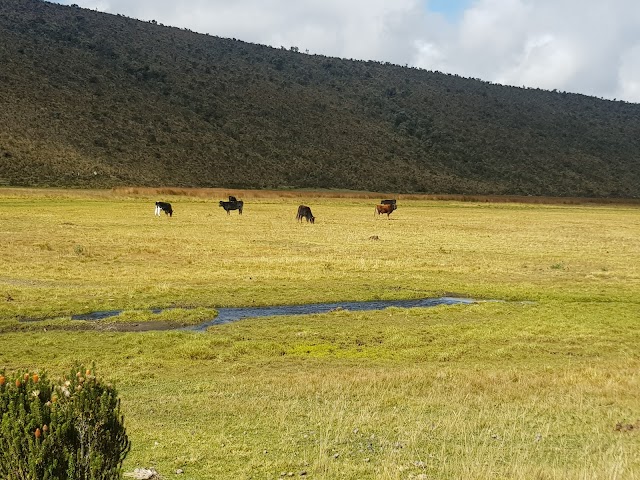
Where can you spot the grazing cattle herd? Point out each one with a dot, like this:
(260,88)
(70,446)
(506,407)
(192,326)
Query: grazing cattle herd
(386,206)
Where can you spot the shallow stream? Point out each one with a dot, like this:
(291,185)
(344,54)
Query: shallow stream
(232,314)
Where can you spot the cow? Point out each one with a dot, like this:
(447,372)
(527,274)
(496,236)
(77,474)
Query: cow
(305,212)
(164,207)
(232,204)
(382,209)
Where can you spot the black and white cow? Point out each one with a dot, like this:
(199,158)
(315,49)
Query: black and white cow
(164,207)
(305,212)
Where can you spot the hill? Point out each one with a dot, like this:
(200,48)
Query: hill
(96,100)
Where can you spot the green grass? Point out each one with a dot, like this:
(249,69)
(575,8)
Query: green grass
(484,391)
(532,387)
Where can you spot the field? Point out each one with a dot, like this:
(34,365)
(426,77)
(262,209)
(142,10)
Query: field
(539,379)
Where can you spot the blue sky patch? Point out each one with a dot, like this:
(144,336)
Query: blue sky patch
(451,9)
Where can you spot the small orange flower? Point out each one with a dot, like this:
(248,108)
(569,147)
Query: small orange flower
(35,378)
(18,383)
(26,377)
(2,380)
(88,372)
(45,429)
(38,433)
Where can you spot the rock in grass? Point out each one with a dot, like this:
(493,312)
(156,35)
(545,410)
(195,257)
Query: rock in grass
(144,474)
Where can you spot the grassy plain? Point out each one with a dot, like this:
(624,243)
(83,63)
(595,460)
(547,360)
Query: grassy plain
(543,385)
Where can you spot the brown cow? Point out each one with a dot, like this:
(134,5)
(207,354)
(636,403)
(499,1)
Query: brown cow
(382,209)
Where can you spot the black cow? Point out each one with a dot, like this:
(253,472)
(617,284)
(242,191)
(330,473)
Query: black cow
(232,204)
(305,212)
(164,207)
(389,202)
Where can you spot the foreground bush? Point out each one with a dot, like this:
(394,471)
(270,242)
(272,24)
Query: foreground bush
(70,429)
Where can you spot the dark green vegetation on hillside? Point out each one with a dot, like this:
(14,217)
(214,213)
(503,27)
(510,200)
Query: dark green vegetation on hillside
(96,100)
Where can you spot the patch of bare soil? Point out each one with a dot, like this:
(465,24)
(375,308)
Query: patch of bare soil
(627,427)
(103,326)
(156,325)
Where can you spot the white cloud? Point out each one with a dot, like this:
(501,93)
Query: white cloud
(584,46)
(629,75)
(429,56)
(546,62)
(492,27)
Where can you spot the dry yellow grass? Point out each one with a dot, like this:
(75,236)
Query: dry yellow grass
(77,253)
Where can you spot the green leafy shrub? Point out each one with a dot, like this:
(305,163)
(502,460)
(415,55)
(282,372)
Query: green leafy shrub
(70,429)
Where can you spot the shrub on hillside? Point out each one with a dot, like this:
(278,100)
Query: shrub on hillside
(70,429)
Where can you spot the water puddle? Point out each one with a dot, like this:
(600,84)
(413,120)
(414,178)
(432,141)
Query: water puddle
(227,315)
(232,314)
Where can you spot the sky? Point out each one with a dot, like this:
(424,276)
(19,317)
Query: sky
(580,46)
